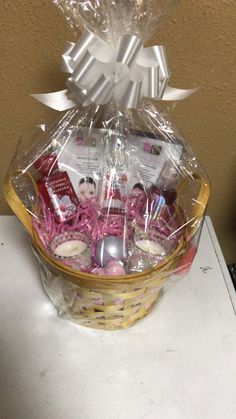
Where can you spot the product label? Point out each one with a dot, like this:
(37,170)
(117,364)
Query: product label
(57,190)
(151,156)
(80,158)
(113,190)
(83,158)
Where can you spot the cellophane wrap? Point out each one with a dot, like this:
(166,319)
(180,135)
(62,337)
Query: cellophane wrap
(113,199)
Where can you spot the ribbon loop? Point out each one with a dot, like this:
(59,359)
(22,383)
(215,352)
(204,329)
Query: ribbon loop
(101,72)
(101,92)
(66,58)
(150,87)
(129,47)
(129,96)
(88,71)
(80,48)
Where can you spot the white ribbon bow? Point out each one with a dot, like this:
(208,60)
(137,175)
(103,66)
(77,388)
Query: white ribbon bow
(102,72)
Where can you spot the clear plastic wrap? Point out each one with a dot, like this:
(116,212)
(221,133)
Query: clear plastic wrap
(113,199)
(113,18)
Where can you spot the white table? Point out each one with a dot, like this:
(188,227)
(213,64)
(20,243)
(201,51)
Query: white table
(177,363)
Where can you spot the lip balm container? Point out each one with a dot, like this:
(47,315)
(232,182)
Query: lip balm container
(72,248)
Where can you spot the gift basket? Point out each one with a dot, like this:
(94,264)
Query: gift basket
(110,194)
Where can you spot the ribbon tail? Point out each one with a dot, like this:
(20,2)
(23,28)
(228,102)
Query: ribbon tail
(56,100)
(171,93)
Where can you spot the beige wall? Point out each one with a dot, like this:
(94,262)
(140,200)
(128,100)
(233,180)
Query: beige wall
(201,41)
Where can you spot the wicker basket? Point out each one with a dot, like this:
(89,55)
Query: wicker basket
(105,302)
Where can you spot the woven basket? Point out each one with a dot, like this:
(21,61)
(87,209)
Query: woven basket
(100,301)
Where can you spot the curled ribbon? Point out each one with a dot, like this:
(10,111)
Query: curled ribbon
(101,72)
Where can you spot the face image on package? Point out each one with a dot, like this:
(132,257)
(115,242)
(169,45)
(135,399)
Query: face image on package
(80,158)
